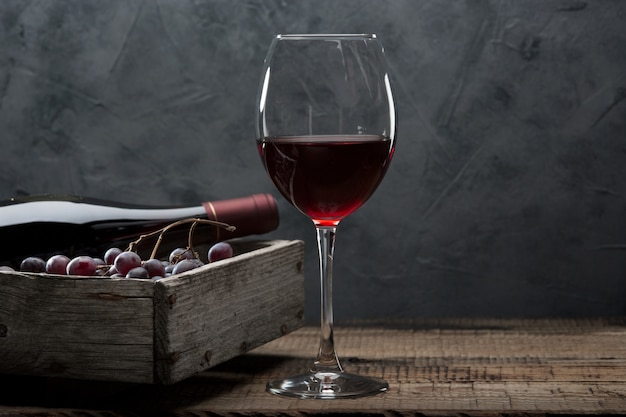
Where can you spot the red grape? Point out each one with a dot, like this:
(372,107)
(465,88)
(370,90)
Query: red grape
(138,272)
(184,265)
(124,264)
(179,254)
(57,264)
(111,254)
(81,265)
(33,264)
(154,267)
(219,251)
(126,261)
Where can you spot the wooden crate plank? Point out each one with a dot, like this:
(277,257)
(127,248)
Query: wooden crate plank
(88,328)
(203,319)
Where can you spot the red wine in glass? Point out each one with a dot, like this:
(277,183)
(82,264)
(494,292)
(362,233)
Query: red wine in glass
(326,177)
(326,131)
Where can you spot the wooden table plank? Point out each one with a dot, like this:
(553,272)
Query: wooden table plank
(434,367)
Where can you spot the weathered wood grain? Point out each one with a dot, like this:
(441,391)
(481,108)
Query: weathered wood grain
(434,368)
(140,331)
(91,328)
(448,367)
(245,301)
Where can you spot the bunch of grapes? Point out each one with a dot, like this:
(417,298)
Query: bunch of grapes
(118,263)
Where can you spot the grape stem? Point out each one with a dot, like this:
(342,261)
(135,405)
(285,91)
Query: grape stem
(162,231)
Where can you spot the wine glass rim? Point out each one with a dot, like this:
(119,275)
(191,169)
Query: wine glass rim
(333,36)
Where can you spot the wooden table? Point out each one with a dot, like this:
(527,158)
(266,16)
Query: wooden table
(434,367)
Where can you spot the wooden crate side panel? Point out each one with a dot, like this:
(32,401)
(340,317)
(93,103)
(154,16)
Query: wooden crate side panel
(239,304)
(85,328)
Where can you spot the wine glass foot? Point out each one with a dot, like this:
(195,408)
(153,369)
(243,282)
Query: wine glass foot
(327,385)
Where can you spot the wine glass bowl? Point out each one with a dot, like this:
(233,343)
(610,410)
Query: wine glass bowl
(326,128)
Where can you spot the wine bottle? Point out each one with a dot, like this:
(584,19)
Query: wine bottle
(42,225)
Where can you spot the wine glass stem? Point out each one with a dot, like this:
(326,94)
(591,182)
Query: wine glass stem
(327,360)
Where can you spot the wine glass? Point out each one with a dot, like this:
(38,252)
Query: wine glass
(326,128)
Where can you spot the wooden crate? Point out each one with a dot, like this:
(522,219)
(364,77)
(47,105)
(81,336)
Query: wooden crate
(141,331)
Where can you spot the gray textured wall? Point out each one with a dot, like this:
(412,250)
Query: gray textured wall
(507,193)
